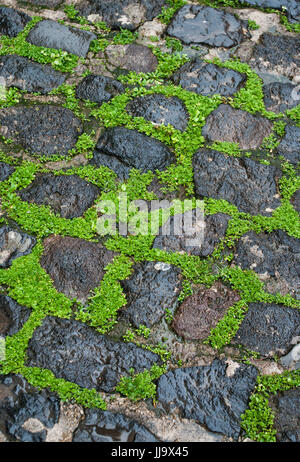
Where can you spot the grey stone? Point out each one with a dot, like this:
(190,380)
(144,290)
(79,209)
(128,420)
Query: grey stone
(79,354)
(291,6)
(133,57)
(286,407)
(292,359)
(12,315)
(12,22)
(98,88)
(296,200)
(289,146)
(5,170)
(279,96)
(13,244)
(46,3)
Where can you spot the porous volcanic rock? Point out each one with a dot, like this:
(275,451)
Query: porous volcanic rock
(122,149)
(26,75)
(12,22)
(274,256)
(286,407)
(269,329)
(12,315)
(292,7)
(67,195)
(51,34)
(280,96)
(296,200)
(132,57)
(214,395)
(195,24)
(13,244)
(47,3)
(19,402)
(98,88)
(200,312)
(76,266)
(234,125)
(289,146)
(160,110)
(208,79)
(5,170)
(42,129)
(104,426)
(77,353)
(151,289)
(249,185)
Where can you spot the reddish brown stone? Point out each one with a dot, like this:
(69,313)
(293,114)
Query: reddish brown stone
(201,312)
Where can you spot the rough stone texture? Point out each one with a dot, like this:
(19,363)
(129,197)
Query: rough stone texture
(12,22)
(274,256)
(269,329)
(26,75)
(79,354)
(51,34)
(195,24)
(151,289)
(236,126)
(122,149)
(286,406)
(42,129)
(201,312)
(125,14)
(98,88)
(280,96)
(19,402)
(76,266)
(214,395)
(292,359)
(291,6)
(105,427)
(13,244)
(67,195)
(289,146)
(12,315)
(47,3)
(5,170)
(161,110)
(250,186)
(296,200)
(208,79)
(133,57)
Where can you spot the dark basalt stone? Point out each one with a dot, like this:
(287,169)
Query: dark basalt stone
(133,57)
(289,146)
(42,129)
(214,395)
(236,126)
(296,200)
(12,22)
(20,401)
(208,79)
(124,14)
(98,88)
(274,256)
(76,266)
(269,329)
(286,407)
(122,149)
(67,195)
(51,34)
(197,242)
(292,7)
(250,186)
(26,75)
(280,96)
(5,170)
(195,25)
(12,316)
(46,3)
(201,312)
(107,427)
(149,291)
(13,244)
(160,110)
(77,353)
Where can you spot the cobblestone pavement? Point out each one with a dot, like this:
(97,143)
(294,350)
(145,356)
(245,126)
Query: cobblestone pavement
(141,336)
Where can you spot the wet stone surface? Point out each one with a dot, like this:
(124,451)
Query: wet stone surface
(208,79)
(76,266)
(291,6)
(19,402)
(14,243)
(223,387)
(286,407)
(67,195)
(104,426)
(79,354)
(160,110)
(98,88)
(12,315)
(250,186)
(12,22)
(269,329)
(133,57)
(289,146)
(280,96)
(200,312)
(274,257)
(42,129)
(152,287)
(122,149)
